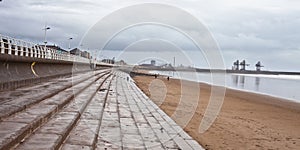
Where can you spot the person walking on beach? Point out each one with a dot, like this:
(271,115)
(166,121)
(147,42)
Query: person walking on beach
(168,78)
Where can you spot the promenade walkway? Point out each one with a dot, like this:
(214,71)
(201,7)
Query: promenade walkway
(93,110)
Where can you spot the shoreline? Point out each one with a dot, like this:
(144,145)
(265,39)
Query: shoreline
(272,121)
(277,99)
(238,89)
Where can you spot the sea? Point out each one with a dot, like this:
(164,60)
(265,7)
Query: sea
(282,86)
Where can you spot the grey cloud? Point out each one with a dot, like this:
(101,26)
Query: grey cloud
(242,28)
(150,31)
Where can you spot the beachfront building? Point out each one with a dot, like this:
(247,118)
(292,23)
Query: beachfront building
(153,62)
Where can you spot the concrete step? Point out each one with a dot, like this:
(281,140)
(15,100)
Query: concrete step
(71,124)
(15,128)
(19,99)
(85,133)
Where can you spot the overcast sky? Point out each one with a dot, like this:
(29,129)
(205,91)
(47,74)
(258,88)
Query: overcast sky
(255,30)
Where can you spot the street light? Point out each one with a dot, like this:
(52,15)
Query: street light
(45,36)
(70,43)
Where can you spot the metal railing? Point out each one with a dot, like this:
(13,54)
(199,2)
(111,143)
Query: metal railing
(17,47)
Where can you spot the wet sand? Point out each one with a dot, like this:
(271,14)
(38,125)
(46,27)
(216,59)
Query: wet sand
(246,120)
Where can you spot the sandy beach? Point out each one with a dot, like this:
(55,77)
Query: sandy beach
(246,121)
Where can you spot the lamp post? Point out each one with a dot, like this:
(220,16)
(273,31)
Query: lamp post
(45,36)
(70,43)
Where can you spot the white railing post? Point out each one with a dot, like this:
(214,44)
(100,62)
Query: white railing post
(15,47)
(48,53)
(21,50)
(38,52)
(43,52)
(9,46)
(2,45)
(31,51)
(35,51)
(26,49)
